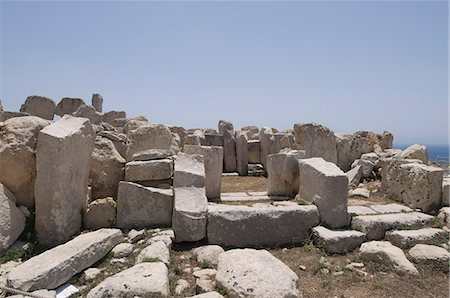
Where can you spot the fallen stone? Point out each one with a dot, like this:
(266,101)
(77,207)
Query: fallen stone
(354,175)
(208,295)
(367,167)
(385,253)
(390,208)
(337,241)
(203,272)
(229,146)
(18,139)
(360,210)
(444,216)
(152,154)
(38,293)
(409,238)
(115,118)
(359,192)
(39,106)
(149,170)
(204,284)
(181,286)
(144,280)
(12,220)
(283,173)
(139,206)
(243,226)
(63,157)
(88,112)
(134,235)
(325,185)
(416,151)
(151,136)
(375,226)
(122,250)
(153,252)
(243,272)
(316,140)
(208,253)
(56,266)
(430,254)
(68,106)
(91,274)
(100,213)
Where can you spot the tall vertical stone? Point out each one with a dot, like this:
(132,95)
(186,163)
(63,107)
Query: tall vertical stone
(316,140)
(63,157)
(229,146)
(242,153)
(283,175)
(267,143)
(97,102)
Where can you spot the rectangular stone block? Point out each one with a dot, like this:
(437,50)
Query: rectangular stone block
(149,170)
(241,154)
(189,171)
(63,158)
(260,226)
(141,207)
(213,140)
(283,175)
(324,184)
(254,151)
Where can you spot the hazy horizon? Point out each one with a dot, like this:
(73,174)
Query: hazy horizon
(347,65)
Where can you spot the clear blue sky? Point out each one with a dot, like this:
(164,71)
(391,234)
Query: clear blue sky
(348,65)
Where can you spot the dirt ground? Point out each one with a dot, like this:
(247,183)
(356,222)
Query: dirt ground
(243,184)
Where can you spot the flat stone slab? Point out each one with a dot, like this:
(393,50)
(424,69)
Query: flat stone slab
(260,226)
(429,254)
(383,252)
(359,192)
(149,170)
(256,273)
(152,154)
(390,208)
(375,226)
(409,238)
(334,241)
(360,210)
(156,250)
(56,266)
(142,280)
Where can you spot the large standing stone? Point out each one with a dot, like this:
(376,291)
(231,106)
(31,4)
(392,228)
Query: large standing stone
(244,273)
(241,153)
(54,267)
(417,185)
(161,169)
(12,220)
(229,146)
(363,142)
(189,171)
(68,105)
(89,112)
(387,139)
(387,254)
(152,136)
(324,184)
(267,144)
(97,102)
(262,225)
(106,169)
(316,140)
(63,158)
(139,206)
(141,280)
(283,175)
(39,106)
(415,151)
(343,147)
(254,151)
(18,138)
(213,158)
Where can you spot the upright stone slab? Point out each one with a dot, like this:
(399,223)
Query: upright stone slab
(316,140)
(151,136)
(190,202)
(97,102)
(254,151)
(343,148)
(39,106)
(242,153)
(324,184)
(283,175)
(446,192)
(229,146)
(68,105)
(63,157)
(12,220)
(213,157)
(267,144)
(56,266)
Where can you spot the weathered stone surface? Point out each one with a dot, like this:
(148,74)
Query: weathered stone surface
(213,159)
(283,173)
(151,136)
(244,273)
(208,253)
(389,170)
(68,105)
(119,140)
(63,158)
(133,124)
(189,170)
(39,106)
(115,118)
(134,235)
(444,216)
(267,144)
(409,238)
(254,151)
(122,250)
(89,112)
(91,274)
(189,213)
(212,139)
(316,140)
(149,170)
(390,208)
(139,206)
(12,220)
(54,267)
(375,226)
(417,185)
(18,138)
(343,147)
(100,213)
(241,153)
(325,185)
(361,210)
(446,192)
(359,192)
(363,142)
(337,241)
(260,226)
(387,139)
(429,254)
(387,254)
(141,280)
(354,175)
(287,141)
(229,146)
(212,294)
(152,154)
(416,151)
(97,102)
(156,250)
(106,169)
(367,167)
